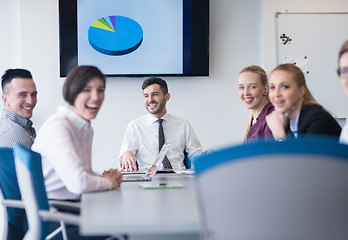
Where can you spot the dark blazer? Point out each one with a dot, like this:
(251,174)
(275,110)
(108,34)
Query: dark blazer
(314,120)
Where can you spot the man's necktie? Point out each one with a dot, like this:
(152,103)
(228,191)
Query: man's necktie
(165,162)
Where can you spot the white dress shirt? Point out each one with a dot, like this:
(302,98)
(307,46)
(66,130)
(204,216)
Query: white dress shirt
(344,133)
(141,139)
(65,144)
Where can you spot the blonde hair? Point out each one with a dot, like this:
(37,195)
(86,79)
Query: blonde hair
(300,80)
(264,81)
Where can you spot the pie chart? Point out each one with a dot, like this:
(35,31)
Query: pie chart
(115,35)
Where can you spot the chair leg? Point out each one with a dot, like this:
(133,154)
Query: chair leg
(58,230)
(62,225)
(54,233)
(4,225)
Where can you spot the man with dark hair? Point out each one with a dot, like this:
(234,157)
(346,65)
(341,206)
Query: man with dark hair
(142,140)
(19,96)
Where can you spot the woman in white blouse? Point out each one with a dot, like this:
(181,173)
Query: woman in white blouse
(65,139)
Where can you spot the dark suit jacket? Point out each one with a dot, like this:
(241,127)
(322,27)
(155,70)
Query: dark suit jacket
(314,120)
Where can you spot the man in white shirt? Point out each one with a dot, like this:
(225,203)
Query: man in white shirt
(141,141)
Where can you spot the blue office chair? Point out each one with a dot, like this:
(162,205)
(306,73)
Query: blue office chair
(15,221)
(187,161)
(40,211)
(295,189)
(32,188)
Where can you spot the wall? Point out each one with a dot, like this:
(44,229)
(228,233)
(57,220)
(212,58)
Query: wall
(241,33)
(208,102)
(10,34)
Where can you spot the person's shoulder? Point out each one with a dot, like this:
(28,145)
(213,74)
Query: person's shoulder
(8,126)
(312,107)
(56,120)
(269,107)
(176,118)
(139,119)
(11,132)
(315,113)
(138,123)
(315,110)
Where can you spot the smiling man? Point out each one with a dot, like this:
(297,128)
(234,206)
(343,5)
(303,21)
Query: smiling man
(142,139)
(19,97)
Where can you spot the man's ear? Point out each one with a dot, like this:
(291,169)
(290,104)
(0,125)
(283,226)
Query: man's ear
(167,97)
(4,98)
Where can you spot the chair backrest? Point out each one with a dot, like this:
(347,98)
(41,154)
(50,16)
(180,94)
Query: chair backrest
(32,187)
(187,161)
(275,190)
(10,191)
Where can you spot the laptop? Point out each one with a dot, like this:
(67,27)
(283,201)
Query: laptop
(133,177)
(146,175)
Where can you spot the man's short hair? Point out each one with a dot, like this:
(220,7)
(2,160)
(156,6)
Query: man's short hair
(344,49)
(77,79)
(156,80)
(10,74)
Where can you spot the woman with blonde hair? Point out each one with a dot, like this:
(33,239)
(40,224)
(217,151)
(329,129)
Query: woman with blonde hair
(296,111)
(253,91)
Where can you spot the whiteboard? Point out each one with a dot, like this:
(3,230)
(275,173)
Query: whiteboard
(312,41)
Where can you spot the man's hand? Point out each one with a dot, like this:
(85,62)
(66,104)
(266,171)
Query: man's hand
(127,162)
(114,176)
(152,171)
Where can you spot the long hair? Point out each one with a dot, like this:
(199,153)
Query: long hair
(300,80)
(264,81)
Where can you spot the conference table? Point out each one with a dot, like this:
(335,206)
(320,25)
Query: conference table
(139,213)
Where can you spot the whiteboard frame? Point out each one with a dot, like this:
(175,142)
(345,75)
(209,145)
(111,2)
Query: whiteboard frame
(340,119)
(276,25)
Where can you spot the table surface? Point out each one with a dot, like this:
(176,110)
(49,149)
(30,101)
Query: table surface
(132,210)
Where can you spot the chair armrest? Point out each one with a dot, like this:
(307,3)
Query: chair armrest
(65,206)
(58,216)
(12,203)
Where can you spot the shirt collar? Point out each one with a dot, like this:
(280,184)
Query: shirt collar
(264,111)
(294,126)
(76,119)
(25,123)
(153,119)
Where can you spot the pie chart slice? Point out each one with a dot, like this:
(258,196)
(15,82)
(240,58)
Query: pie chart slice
(115,35)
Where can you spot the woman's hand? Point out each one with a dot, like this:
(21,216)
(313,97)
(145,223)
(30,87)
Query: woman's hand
(276,122)
(114,176)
